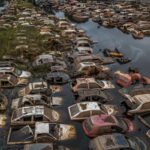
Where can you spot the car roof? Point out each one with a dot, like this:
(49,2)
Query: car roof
(113,141)
(85,80)
(141,99)
(87,106)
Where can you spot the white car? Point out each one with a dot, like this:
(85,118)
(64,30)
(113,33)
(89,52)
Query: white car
(91,83)
(83,110)
(138,101)
(14,71)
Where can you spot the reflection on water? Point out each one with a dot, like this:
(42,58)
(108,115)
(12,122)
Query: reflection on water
(137,50)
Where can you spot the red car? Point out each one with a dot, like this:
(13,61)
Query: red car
(101,124)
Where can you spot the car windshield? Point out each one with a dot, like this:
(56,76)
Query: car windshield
(17,72)
(100,83)
(74,110)
(88,124)
(122,123)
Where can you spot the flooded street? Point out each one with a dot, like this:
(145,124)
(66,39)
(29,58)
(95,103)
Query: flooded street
(40,47)
(137,50)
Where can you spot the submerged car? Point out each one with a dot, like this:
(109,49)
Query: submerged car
(41,133)
(9,81)
(83,110)
(57,77)
(32,114)
(91,83)
(138,100)
(92,95)
(102,124)
(117,141)
(15,72)
(36,99)
(35,87)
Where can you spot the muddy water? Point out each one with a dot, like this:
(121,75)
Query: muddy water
(137,50)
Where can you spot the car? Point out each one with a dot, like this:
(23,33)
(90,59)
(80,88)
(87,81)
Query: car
(57,77)
(47,59)
(95,58)
(83,110)
(82,49)
(137,100)
(104,123)
(91,83)
(90,68)
(15,72)
(117,141)
(10,81)
(126,79)
(112,53)
(31,114)
(34,88)
(63,24)
(69,33)
(36,99)
(41,133)
(74,54)
(92,95)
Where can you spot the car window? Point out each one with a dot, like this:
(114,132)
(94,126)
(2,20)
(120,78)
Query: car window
(5,83)
(84,114)
(146,106)
(94,112)
(94,85)
(83,86)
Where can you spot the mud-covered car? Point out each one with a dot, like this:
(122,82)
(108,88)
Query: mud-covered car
(15,72)
(90,83)
(57,77)
(117,141)
(10,81)
(137,100)
(34,88)
(36,99)
(31,114)
(41,133)
(83,110)
(92,95)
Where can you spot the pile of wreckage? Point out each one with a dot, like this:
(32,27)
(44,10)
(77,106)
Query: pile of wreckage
(34,115)
(129,18)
